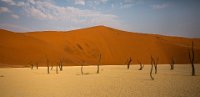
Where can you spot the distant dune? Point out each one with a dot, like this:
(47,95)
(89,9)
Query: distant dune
(85,45)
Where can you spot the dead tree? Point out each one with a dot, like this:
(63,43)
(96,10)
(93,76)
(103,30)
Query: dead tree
(82,69)
(156,65)
(56,69)
(99,63)
(82,64)
(36,64)
(51,67)
(151,72)
(153,64)
(48,66)
(129,62)
(172,63)
(61,65)
(141,65)
(191,58)
(32,66)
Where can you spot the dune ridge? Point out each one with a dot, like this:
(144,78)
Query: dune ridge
(83,46)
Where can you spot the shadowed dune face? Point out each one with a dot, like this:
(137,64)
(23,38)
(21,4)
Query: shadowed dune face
(85,45)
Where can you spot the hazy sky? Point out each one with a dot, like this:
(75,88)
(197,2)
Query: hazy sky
(167,17)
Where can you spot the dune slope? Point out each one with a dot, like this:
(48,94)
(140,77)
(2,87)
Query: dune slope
(84,46)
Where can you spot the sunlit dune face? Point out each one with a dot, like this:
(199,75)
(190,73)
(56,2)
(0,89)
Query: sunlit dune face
(85,45)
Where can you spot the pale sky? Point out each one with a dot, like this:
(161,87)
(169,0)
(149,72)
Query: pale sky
(166,17)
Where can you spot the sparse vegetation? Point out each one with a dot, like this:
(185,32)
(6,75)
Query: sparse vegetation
(129,62)
(151,70)
(113,74)
(82,69)
(153,64)
(32,65)
(51,67)
(191,58)
(141,65)
(56,69)
(156,65)
(36,65)
(99,63)
(82,63)
(47,66)
(172,63)
(60,64)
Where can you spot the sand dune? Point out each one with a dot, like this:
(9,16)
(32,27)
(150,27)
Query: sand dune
(84,45)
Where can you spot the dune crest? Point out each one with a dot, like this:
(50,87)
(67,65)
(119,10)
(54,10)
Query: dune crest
(84,45)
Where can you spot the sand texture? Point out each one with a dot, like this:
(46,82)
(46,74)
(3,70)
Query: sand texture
(112,81)
(85,45)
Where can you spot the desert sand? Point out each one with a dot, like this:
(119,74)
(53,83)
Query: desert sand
(112,81)
(84,45)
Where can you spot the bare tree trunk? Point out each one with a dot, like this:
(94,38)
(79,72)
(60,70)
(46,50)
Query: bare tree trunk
(155,68)
(82,69)
(156,64)
(172,63)
(48,69)
(61,65)
(99,63)
(32,66)
(152,65)
(151,72)
(129,62)
(48,66)
(56,69)
(51,67)
(191,57)
(97,68)
(141,65)
(36,65)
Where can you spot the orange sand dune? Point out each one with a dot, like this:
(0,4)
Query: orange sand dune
(84,46)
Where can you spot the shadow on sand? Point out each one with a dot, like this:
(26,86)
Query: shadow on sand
(87,73)
(1,76)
